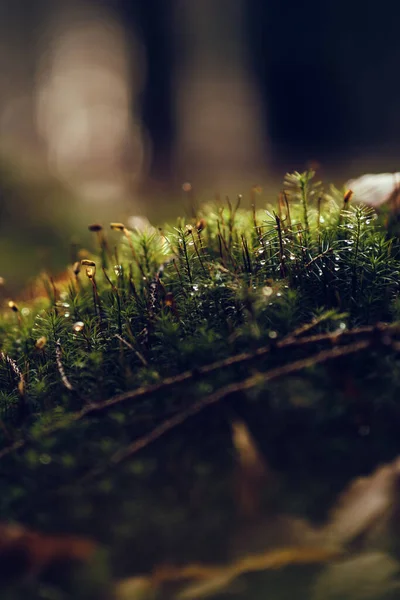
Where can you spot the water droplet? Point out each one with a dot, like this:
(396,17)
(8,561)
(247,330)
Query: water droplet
(67,315)
(279,294)
(195,287)
(342,325)
(321,219)
(292,257)
(25,312)
(45,459)
(78,326)
(262,262)
(118,270)
(273,335)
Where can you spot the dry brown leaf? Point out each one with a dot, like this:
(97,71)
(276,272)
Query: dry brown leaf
(170,574)
(209,579)
(364,510)
(219,579)
(273,532)
(248,455)
(24,552)
(251,473)
(366,502)
(367,576)
(217,584)
(277,559)
(135,588)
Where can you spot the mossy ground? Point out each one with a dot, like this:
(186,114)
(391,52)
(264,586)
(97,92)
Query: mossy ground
(284,315)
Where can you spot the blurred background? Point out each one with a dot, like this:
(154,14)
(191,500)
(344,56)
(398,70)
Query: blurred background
(108,106)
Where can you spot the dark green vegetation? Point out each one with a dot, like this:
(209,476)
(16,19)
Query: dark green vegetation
(119,384)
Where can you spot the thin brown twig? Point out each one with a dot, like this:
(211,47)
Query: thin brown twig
(128,345)
(238,359)
(244,357)
(233,388)
(311,324)
(16,371)
(60,367)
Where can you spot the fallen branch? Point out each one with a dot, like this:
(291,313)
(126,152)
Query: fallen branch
(143,392)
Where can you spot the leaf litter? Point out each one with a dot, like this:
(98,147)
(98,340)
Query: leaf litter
(348,543)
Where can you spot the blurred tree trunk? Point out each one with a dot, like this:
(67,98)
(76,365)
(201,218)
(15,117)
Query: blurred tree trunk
(20,27)
(218,113)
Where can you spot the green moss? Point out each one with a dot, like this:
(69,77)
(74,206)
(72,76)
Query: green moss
(90,368)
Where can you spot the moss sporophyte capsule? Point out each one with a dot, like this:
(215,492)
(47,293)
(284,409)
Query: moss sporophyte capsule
(90,267)
(117,226)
